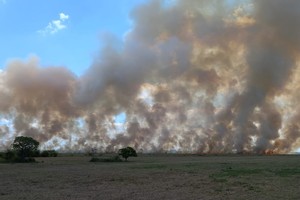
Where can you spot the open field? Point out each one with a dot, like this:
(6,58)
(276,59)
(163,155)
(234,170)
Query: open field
(154,177)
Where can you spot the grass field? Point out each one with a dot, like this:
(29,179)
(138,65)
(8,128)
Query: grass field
(154,177)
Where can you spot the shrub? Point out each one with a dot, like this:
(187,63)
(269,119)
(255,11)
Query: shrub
(10,156)
(44,154)
(49,153)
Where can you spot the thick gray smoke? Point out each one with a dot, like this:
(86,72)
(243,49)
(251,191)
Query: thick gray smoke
(204,76)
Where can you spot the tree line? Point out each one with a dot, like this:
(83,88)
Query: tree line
(24,149)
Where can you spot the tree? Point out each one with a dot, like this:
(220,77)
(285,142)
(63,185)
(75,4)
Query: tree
(25,147)
(127,152)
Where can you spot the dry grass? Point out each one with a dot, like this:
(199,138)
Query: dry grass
(154,177)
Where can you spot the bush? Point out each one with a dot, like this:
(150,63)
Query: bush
(49,153)
(36,153)
(44,154)
(10,156)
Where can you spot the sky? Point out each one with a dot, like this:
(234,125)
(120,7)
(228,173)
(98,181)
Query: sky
(61,33)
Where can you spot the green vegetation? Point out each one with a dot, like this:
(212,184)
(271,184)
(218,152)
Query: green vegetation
(127,152)
(247,172)
(124,152)
(286,172)
(49,153)
(10,156)
(25,147)
(23,150)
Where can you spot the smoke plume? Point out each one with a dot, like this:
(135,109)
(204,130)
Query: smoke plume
(203,76)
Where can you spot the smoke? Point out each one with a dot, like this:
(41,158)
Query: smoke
(204,76)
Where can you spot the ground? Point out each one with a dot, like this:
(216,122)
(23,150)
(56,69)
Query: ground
(154,177)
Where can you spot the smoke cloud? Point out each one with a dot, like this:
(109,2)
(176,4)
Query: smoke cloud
(204,76)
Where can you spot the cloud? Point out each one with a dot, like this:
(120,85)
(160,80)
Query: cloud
(63,16)
(55,25)
(3,121)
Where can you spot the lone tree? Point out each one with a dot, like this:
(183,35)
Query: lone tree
(25,147)
(127,152)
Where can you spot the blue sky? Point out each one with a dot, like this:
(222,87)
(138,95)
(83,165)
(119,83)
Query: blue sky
(60,32)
